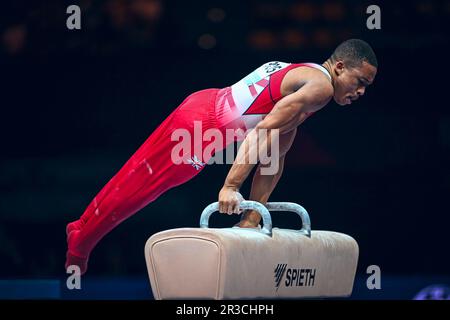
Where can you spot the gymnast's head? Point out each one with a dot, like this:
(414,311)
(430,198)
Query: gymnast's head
(353,66)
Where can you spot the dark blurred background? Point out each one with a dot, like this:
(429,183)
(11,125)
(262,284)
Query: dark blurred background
(77,103)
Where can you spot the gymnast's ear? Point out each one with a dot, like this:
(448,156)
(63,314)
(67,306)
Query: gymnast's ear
(338,67)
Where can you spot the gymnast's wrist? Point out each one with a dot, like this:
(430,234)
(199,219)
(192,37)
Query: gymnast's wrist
(232,186)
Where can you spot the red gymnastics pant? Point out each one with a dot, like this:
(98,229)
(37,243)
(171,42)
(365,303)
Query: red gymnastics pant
(144,177)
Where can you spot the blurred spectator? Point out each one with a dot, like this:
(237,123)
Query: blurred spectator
(106,27)
(14,38)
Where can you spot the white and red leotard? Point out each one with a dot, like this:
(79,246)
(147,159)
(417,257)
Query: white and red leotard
(150,171)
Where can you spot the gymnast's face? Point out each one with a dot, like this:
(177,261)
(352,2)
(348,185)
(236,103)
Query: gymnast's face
(350,83)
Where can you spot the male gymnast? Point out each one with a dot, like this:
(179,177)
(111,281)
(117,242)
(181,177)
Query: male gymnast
(275,98)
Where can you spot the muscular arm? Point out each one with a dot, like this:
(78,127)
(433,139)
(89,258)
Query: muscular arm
(283,118)
(263,185)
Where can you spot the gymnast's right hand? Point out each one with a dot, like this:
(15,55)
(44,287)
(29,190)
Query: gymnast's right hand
(230,200)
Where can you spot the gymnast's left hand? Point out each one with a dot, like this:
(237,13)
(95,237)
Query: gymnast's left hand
(230,200)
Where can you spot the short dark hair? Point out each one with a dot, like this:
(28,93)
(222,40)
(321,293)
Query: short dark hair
(353,52)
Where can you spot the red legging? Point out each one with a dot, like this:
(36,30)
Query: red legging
(144,177)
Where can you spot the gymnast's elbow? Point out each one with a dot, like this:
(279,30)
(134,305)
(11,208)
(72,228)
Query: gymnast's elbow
(280,122)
